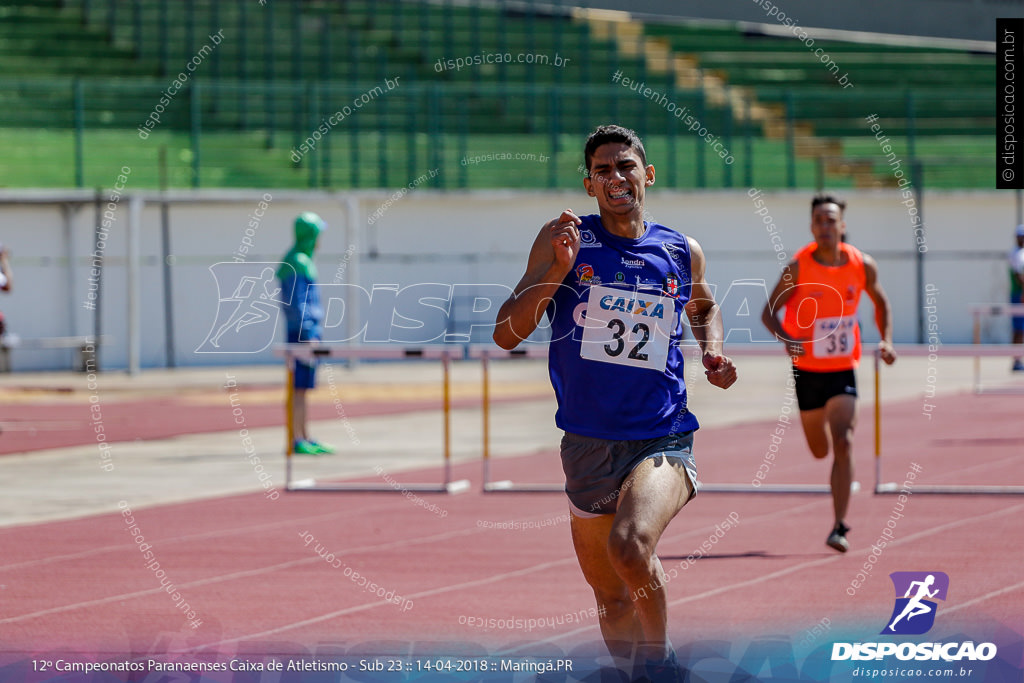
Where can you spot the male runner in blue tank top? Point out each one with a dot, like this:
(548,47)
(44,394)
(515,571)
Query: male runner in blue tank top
(615,288)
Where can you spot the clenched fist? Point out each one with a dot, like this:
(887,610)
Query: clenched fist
(565,239)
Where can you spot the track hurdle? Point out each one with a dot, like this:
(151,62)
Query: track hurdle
(979,310)
(945,350)
(752,350)
(311,352)
(486,352)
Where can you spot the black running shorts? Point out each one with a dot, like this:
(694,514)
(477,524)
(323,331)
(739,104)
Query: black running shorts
(814,389)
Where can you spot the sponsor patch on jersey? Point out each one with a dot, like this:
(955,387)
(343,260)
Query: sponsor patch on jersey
(633,305)
(588,239)
(672,284)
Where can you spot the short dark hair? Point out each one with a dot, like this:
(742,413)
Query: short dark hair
(612,133)
(820,199)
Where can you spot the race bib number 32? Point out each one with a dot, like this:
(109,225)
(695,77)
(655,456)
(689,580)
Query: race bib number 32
(626,327)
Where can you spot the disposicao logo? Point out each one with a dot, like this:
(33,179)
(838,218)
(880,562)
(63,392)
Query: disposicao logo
(913,614)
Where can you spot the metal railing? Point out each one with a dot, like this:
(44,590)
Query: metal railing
(78,132)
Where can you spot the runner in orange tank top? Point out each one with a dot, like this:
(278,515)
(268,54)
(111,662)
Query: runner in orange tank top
(820,290)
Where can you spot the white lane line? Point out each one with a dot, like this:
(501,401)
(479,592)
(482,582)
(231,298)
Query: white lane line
(184,539)
(790,570)
(982,598)
(519,572)
(235,575)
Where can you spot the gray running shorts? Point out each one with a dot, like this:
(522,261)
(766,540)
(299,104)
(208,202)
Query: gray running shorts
(595,468)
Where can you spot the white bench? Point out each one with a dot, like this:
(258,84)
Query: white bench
(86,360)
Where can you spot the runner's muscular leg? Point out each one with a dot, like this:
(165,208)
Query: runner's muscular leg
(619,624)
(651,496)
(841,415)
(816,431)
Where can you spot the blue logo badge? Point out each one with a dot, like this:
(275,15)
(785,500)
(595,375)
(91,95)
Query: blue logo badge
(914,611)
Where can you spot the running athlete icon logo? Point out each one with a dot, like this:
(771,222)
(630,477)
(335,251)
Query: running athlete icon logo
(914,612)
(249,299)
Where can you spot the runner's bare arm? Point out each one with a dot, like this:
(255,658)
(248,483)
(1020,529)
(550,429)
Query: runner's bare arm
(883,311)
(705,320)
(551,258)
(780,295)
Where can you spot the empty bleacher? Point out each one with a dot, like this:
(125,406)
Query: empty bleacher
(81,76)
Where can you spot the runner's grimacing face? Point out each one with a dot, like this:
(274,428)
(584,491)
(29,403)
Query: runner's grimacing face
(827,226)
(618,178)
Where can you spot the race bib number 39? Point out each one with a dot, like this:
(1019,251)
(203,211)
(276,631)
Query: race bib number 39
(834,337)
(627,328)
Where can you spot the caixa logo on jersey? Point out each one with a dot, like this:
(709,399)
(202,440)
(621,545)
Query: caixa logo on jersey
(914,613)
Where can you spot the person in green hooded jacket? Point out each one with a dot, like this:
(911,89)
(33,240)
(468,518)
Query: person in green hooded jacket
(303,316)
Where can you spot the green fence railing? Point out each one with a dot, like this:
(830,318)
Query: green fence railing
(79,132)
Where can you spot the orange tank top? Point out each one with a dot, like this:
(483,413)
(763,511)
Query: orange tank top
(823,309)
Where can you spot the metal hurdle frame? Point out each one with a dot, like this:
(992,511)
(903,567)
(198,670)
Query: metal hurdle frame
(960,350)
(309,352)
(486,352)
(977,310)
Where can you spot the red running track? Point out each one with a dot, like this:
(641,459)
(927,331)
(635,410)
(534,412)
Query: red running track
(243,564)
(56,424)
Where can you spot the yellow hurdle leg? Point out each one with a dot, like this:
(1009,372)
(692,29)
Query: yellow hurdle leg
(289,419)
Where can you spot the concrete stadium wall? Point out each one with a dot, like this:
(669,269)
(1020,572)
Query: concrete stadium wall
(477,242)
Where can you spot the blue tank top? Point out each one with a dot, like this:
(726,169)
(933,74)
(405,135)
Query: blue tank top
(614,358)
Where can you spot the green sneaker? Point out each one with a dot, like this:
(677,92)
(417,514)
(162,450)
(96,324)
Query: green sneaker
(322,448)
(304,447)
